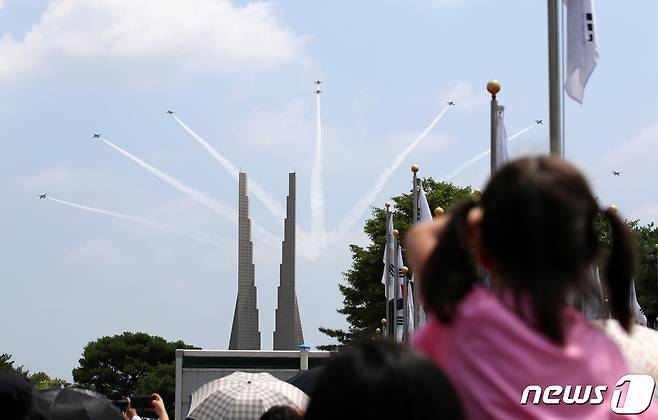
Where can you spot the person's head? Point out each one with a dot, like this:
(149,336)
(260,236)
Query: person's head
(535,231)
(380,380)
(282,412)
(16,393)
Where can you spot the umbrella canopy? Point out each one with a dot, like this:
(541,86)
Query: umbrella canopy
(243,396)
(306,379)
(76,404)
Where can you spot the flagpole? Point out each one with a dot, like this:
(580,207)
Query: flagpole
(396,288)
(416,218)
(554,78)
(493,87)
(386,271)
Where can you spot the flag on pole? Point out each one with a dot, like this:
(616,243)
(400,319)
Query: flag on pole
(636,310)
(411,322)
(389,257)
(399,305)
(502,157)
(424,216)
(582,51)
(593,306)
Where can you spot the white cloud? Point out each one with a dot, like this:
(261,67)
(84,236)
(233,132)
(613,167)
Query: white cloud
(166,36)
(96,251)
(2,4)
(465,96)
(637,155)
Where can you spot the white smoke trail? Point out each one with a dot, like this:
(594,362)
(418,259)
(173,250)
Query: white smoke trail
(270,203)
(366,200)
(454,174)
(195,236)
(197,196)
(317,192)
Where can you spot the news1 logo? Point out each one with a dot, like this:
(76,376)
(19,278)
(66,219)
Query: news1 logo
(637,400)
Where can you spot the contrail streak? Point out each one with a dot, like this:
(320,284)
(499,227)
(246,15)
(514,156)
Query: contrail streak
(454,174)
(366,200)
(270,203)
(317,191)
(199,237)
(196,195)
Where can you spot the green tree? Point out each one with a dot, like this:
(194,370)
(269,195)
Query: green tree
(363,295)
(129,364)
(6,364)
(42,380)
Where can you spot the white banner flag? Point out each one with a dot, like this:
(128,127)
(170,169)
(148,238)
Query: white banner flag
(425,215)
(502,157)
(389,254)
(636,310)
(582,52)
(399,306)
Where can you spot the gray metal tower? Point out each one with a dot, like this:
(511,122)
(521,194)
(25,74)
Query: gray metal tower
(244,333)
(288,328)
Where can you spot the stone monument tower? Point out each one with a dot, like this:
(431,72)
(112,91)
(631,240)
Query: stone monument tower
(244,332)
(288,329)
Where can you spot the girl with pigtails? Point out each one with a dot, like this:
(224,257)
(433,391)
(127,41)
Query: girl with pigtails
(533,230)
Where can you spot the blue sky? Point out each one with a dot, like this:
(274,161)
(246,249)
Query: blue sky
(240,74)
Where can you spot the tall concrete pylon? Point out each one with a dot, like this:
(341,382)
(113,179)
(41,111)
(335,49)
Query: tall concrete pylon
(288,326)
(244,332)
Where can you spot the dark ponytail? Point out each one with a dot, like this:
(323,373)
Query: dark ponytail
(450,271)
(619,270)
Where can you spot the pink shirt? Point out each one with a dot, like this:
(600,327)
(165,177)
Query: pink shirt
(491,355)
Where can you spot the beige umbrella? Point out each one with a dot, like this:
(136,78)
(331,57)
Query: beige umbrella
(243,396)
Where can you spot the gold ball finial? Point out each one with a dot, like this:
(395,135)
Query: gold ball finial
(493,87)
(414,168)
(387,205)
(656,247)
(378,331)
(613,209)
(438,212)
(477,193)
(396,233)
(384,322)
(404,270)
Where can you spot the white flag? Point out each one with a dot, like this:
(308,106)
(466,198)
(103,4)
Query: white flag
(389,254)
(593,306)
(399,306)
(502,156)
(582,52)
(411,322)
(636,310)
(425,215)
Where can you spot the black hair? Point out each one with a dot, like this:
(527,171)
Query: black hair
(281,412)
(538,228)
(381,380)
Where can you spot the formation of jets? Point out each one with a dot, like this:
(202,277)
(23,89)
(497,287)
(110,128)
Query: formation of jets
(451,103)
(170,112)
(616,173)
(539,121)
(96,136)
(318,91)
(42,196)
(317,82)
